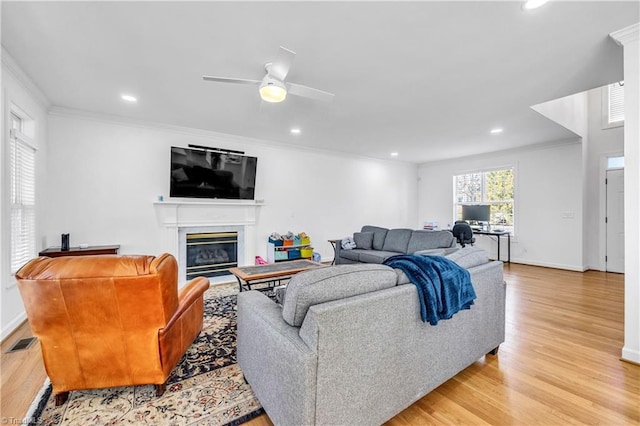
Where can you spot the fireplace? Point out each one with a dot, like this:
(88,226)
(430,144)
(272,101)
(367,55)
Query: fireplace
(177,219)
(211,254)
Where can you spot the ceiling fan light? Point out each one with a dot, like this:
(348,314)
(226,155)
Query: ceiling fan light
(534,4)
(271,91)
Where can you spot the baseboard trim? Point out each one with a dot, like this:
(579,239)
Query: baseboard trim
(550,265)
(631,355)
(13,325)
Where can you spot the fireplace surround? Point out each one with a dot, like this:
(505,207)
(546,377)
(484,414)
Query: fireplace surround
(177,219)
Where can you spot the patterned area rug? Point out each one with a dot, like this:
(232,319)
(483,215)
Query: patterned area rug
(205,388)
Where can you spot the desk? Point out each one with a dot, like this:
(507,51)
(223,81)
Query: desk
(498,234)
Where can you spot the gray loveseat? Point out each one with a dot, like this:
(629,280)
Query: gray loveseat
(348,346)
(374,244)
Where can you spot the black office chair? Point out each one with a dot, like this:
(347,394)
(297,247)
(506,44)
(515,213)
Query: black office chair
(463,233)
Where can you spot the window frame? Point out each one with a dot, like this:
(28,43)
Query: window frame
(606,103)
(20,143)
(615,162)
(483,172)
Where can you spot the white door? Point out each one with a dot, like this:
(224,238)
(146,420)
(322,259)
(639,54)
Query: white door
(615,221)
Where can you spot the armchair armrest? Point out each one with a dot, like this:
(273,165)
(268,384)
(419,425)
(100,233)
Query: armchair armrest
(185,324)
(188,295)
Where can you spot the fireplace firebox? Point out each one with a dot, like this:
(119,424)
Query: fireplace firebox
(211,254)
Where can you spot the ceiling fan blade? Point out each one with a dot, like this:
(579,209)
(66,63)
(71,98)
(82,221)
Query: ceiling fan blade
(230,80)
(280,67)
(309,92)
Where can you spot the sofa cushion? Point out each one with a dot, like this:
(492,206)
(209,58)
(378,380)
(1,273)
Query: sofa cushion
(353,254)
(379,234)
(425,240)
(468,257)
(432,252)
(364,240)
(375,256)
(397,240)
(332,283)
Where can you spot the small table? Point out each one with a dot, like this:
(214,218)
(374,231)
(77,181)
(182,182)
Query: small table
(271,273)
(335,252)
(77,251)
(499,234)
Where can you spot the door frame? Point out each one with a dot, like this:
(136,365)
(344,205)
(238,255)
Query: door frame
(602,226)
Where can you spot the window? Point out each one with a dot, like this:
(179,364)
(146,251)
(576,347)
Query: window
(615,108)
(492,187)
(22,181)
(615,163)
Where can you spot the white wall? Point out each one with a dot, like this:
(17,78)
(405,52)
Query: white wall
(18,91)
(569,112)
(104,176)
(548,185)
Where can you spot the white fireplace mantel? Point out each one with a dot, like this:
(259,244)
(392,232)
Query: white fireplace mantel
(176,217)
(194,213)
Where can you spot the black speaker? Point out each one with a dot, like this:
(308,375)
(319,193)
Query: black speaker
(65,242)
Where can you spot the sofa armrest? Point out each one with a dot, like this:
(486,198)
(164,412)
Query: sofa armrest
(278,365)
(367,342)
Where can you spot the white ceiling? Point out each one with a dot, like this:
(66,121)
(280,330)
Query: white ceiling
(426,79)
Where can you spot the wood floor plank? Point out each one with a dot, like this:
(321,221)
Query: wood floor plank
(559,364)
(22,375)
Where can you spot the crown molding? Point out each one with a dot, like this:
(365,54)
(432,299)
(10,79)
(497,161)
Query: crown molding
(509,151)
(11,66)
(626,35)
(213,136)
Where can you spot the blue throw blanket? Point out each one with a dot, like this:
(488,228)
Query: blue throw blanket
(443,286)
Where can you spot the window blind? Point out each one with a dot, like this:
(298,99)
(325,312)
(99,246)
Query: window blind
(23,218)
(616,102)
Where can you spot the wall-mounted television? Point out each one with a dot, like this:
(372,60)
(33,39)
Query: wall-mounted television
(201,173)
(476,213)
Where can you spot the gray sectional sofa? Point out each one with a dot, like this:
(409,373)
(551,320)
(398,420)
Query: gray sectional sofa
(348,346)
(374,244)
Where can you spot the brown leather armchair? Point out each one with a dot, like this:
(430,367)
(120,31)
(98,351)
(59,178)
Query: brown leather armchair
(107,321)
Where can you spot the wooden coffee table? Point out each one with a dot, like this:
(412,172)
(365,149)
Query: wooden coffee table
(270,274)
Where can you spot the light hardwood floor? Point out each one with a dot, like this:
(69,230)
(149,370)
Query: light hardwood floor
(559,364)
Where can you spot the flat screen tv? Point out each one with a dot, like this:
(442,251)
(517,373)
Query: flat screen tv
(199,173)
(476,213)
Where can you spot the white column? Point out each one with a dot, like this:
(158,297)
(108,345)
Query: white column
(629,38)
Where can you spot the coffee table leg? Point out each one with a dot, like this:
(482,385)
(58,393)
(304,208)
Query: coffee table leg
(240,284)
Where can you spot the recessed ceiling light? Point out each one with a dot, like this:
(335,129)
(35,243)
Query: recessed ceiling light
(533,4)
(496,131)
(295,131)
(394,154)
(129,98)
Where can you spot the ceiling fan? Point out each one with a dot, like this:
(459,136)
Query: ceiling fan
(273,86)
